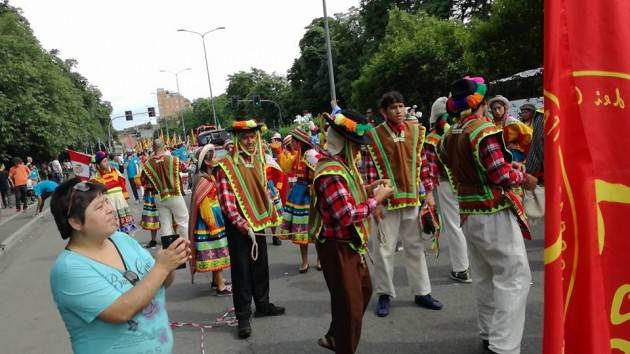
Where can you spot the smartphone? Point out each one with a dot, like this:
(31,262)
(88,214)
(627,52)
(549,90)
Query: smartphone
(167,241)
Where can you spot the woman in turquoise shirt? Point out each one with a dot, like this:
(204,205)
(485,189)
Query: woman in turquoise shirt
(108,289)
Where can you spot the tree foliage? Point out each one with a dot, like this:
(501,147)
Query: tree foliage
(510,40)
(419,56)
(44,104)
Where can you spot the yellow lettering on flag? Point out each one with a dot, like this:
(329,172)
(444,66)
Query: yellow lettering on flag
(608,192)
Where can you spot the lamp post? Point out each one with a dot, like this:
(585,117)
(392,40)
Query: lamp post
(179,98)
(331,74)
(205,54)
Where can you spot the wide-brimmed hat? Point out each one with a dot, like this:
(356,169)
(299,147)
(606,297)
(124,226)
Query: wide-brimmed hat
(529,106)
(202,154)
(499,98)
(352,125)
(241,125)
(276,136)
(301,136)
(467,93)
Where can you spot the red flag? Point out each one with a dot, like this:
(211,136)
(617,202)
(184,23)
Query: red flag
(80,164)
(587,177)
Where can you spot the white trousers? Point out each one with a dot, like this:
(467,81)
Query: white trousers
(501,278)
(448,207)
(173,208)
(399,224)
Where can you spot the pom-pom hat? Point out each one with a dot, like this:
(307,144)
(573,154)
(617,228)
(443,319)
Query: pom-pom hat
(244,125)
(351,125)
(467,94)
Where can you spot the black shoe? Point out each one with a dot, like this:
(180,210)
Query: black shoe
(214,285)
(151,244)
(486,343)
(270,310)
(276,241)
(244,329)
(462,277)
(382,306)
(428,302)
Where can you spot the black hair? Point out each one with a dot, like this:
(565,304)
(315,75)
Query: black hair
(111,156)
(60,201)
(17,160)
(391,97)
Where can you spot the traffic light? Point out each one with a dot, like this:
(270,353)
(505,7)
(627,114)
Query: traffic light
(128,115)
(235,102)
(256,100)
(151,111)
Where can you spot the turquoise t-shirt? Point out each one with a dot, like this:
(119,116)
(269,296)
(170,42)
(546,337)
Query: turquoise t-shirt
(82,288)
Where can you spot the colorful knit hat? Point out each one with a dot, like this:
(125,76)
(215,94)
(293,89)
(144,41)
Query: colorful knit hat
(352,125)
(244,125)
(467,95)
(100,156)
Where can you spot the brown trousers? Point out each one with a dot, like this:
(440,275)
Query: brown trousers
(350,287)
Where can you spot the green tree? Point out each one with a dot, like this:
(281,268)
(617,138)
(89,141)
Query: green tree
(270,87)
(510,41)
(44,105)
(419,56)
(309,74)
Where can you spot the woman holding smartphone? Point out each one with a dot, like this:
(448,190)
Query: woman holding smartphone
(109,290)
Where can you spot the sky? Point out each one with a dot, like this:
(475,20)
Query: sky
(121,45)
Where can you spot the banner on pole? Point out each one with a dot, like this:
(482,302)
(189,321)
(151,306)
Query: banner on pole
(587,177)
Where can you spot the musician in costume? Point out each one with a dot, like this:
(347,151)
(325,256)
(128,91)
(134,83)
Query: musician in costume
(445,197)
(247,206)
(339,222)
(162,171)
(296,209)
(206,227)
(397,153)
(116,185)
(492,215)
(517,135)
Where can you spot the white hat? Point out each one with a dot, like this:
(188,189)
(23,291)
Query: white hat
(202,154)
(276,136)
(437,109)
(499,98)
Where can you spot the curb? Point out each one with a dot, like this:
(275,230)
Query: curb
(19,233)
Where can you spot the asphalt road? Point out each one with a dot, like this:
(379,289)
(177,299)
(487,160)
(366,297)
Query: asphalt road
(31,324)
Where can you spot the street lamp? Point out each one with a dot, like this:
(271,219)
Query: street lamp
(179,99)
(205,54)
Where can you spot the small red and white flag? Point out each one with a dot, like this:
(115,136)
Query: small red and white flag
(80,164)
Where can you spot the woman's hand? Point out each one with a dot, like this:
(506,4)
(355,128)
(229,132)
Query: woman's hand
(176,254)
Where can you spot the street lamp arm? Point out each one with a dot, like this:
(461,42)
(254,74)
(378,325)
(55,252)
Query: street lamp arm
(185,30)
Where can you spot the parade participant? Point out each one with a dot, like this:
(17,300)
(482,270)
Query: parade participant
(398,155)
(339,222)
(57,171)
(5,182)
(445,198)
(116,192)
(536,156)
(278,184)
(19,177)
(228,146)
(492,215)
(162,171)
(109,291)
(132,165)
(286,158)
(206,230)
(150,220)
(42,191)
(247,206)
(296,209)
(516,134)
